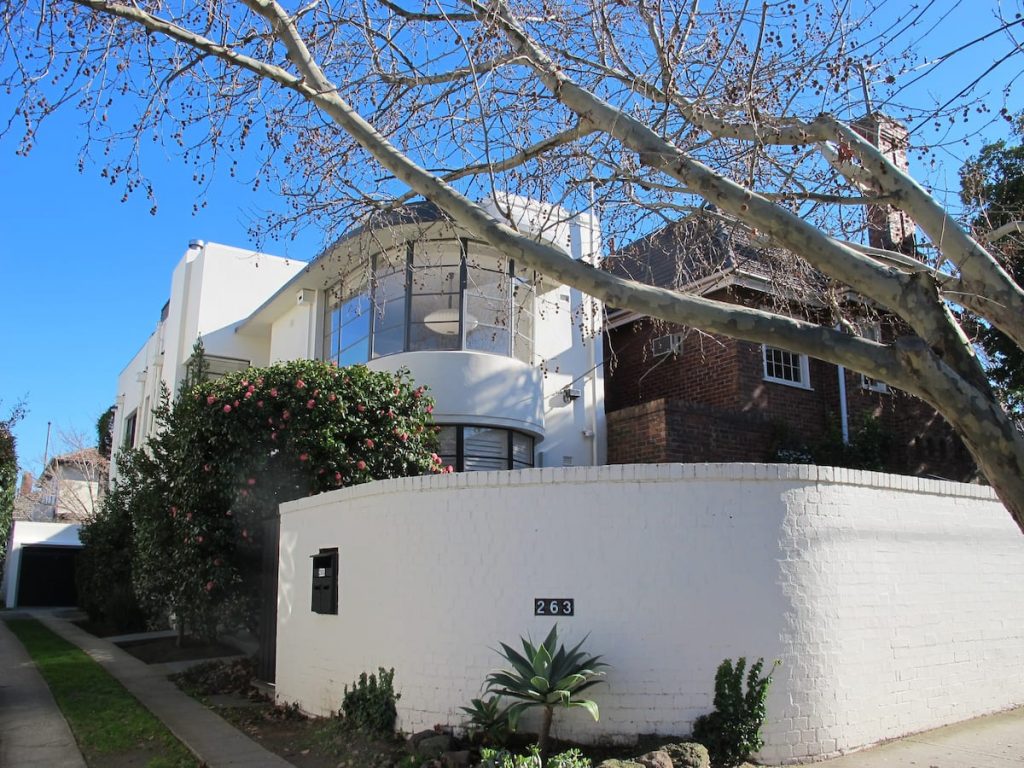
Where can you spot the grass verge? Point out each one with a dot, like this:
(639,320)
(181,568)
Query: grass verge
(112,728)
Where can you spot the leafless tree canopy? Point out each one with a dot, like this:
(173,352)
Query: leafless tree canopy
(643,112)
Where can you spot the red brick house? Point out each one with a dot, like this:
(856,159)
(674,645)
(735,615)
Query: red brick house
(676,394)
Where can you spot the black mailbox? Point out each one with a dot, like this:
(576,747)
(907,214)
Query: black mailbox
(325,581)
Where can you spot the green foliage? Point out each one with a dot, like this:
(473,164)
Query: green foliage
(546,675)
(105,432)
(370,705)
(732,732)
(488,721)
(572,758)
(8,475)
(502,758)
(231,450)
(992,184)
(869,447)
(104,566)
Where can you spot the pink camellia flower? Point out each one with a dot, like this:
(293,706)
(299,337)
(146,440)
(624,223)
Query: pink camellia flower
(429,409)
(404,437)
(369,442)
(245,533)
(251,481)
(209,586)
(273,435)
(273,391)
(227,409)
(210,399)
(435,458)
(398,391)
(360,465)
(243,492)
(259,403)
(259,382)
(286,415)
(199,539)
(251,388)
(245,382)
(449,469)
(236,403)
(337,476)
(248,395)
(300,384)
(303,457)
(311,404)
(361,408)
(206,467)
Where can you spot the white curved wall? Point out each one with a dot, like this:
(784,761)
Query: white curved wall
(896,604)
(475,387)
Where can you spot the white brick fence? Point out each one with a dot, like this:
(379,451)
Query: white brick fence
(896,604)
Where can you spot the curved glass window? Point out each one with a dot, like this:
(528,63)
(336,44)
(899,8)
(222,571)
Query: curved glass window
(472,449)
(437,295)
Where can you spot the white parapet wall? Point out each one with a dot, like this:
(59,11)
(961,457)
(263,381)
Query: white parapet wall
(895,604)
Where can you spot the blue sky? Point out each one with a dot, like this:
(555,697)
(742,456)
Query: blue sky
(84,276)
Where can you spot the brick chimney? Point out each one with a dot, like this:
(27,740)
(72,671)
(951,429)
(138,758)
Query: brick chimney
(26,483)
(888,227)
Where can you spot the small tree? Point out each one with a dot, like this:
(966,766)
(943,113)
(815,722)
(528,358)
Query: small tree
(8,476)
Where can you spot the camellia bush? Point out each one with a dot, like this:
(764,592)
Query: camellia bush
(231,450)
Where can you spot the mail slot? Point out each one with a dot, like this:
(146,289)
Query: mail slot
(325,581)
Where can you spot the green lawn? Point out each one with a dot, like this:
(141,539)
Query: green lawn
(111,727)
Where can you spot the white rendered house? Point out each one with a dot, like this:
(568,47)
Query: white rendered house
(512,360)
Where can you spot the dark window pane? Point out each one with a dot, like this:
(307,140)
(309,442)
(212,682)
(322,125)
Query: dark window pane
(484,442)
(522,450)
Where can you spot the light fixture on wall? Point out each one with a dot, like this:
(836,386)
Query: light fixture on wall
(446,321)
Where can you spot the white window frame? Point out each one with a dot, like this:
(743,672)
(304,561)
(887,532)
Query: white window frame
(802,362)
(871,332)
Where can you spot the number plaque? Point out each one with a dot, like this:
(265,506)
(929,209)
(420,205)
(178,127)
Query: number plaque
(554,606)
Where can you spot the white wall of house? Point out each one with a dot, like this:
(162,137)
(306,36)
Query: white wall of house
(25,533)
(213,288)
(896,604)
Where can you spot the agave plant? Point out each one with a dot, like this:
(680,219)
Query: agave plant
(546,676)
(488,720)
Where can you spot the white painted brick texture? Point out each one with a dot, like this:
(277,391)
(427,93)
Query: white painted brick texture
(893,609)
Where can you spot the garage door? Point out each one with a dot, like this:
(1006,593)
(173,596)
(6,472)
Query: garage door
(47,576)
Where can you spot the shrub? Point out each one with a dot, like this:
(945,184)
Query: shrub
(370,705)
(732,732)
(494,758)
(488,721)
(231,451)
(546,676)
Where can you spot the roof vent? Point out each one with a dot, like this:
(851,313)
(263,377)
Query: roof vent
(197,244)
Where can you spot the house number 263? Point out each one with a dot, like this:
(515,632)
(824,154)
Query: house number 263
(554,606)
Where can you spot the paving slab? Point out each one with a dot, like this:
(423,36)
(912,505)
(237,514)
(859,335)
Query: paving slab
(215,742)
(33,732)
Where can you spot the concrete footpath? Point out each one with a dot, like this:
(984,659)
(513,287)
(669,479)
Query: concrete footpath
(33,733)
(993,741)
(213,741)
